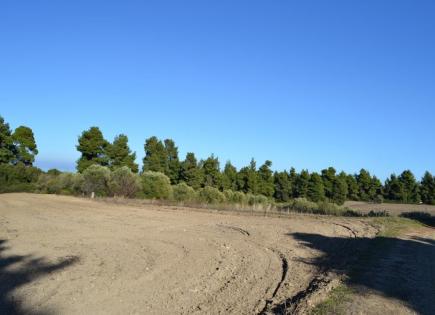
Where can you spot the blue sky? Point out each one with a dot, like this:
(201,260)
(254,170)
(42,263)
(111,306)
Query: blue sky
(307,84)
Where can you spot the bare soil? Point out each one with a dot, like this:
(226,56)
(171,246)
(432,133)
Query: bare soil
(66,255)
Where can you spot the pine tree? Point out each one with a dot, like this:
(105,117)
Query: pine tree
(364,181)
(172,162)
(7,149)
(25,145)
(120,155)
(316,190)
(328,177)
(410,193)
(292,177)
(302,181)
(427,189)
(229,177)
(393,189)
(339,189)
(92,146)
(248,178)
(283,186)
(211,171)
(155,156)
(265,179)
(190,172)
(352,187)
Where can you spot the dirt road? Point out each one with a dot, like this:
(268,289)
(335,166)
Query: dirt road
(65,255)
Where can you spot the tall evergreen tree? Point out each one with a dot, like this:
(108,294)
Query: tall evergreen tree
(410,193)
(265,179)
(119,154)
(155,156)
(393,188)
(283,186)
(301,187)
(7,148)
(190,172)
(328,177)
(292,177)
(248,178)
(92,146)
(339,189)
(316,190)
(25,145)
(427,189)
(229,177)
(352,187)
(365,184)
(212,174)
(172,161)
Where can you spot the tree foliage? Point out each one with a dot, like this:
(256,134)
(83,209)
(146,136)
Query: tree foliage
(120,155)
(92,147)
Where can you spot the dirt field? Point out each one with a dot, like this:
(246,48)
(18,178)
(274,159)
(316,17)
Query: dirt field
(65,255)
(392,208)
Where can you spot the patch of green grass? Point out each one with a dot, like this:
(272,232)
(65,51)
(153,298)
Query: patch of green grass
(394,226)
(336,301)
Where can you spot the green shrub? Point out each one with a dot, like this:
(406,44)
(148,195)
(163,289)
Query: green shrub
(235,197)
(96,179)
(123,182)
(156,185)
(211,195)
(257,200)
(328,208)
(16,178)
(183,192)
(304,205)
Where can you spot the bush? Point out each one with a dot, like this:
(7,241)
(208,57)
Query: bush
(123,182)
(183,192)
(235,197)
(257,200)
(16,178)
(63,183)
(211,195)
(156,185)
(303,205)
(96,179)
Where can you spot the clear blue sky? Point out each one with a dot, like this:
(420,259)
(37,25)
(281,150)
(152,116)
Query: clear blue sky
(307,84)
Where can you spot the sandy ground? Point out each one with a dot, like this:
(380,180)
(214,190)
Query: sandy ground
(65,255)
(392,208)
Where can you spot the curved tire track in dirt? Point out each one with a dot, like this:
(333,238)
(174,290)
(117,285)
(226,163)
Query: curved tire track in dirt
(154,259)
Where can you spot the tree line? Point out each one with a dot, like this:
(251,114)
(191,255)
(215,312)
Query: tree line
(328,185)
(18,150)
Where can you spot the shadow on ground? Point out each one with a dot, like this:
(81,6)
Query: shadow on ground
(402,269)
(422,217)
(16,271)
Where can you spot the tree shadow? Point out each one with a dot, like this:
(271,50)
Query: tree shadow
(402,269)
(422,217)
(18,270)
